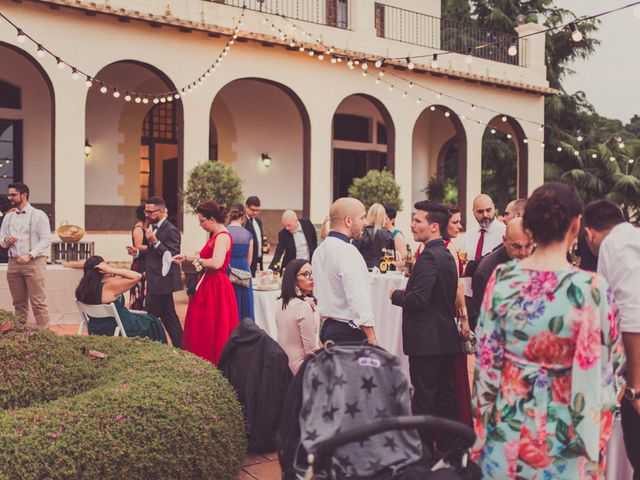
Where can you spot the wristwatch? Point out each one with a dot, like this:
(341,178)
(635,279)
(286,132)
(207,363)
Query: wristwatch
(631,394)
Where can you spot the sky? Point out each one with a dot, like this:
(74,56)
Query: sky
(611,75)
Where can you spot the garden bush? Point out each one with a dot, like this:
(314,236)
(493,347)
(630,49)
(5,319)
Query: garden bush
(146,411)
(377,187)
(213,181)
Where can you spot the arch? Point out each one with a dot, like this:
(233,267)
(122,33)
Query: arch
(350,134)
(115,129)
(437,132)
(305,123)
(50,209)
(504,128)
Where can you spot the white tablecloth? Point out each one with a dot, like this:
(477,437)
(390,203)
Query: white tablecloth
(618,466)
(388,317)
(60,287)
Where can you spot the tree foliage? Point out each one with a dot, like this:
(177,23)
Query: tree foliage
(377,187)
(213,181)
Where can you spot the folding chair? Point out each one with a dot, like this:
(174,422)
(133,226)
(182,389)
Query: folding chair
(100,311)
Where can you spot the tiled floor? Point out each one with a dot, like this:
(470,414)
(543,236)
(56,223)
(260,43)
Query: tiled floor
(255,467)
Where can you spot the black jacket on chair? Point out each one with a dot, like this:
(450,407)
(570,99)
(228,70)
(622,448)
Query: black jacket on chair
(287,244)
(169,237)
(258,369)
(428,303)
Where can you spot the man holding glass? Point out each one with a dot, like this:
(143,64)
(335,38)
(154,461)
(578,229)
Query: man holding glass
(26,233)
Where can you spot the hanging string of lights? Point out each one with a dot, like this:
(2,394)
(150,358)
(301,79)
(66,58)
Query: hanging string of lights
(128,95)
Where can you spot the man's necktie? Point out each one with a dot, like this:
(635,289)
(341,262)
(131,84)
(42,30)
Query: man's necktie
(478,255)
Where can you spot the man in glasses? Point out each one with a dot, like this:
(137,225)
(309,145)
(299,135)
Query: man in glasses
(163,237)
(254,225)
(26,233)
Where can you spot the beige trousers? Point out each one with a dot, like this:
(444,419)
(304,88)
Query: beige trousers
(26,283)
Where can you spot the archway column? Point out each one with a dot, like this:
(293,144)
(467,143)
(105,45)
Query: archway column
(69,168)
(475,133)
(535,173)
(403,172)
(321,168)
(195,152)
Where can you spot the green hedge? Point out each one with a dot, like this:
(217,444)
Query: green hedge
(146,411)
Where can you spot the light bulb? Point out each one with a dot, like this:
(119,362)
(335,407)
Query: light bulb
(170,98)
(447,114)
(438,95)
(103,89)
(411,84)
(576,35)
(404,94)
(364,74)
(87,82)
(380,74)
(116,93)
(378,63)
(364,66)
(630,161)
(301,49)
(356,62)
(156,101)
(311,53)
(40,52)
(504,118)
(145,100)
(579,138)
(74,74)
(541,128)
(576,153)
(542,144)
(434,61)
(493,131)
(60,63)
(138,100)
(621,145)
(176,96)
(418,101)
(473,107)
(594,155)
(377,81)
(612,159)
(432,108)
(525,140)
(410,64)
(513,50)
(509,136)
(559,149)
(21,38)
(333,60)
(391,88)
(127,98)
(468,59)
(339,59)
(321,57)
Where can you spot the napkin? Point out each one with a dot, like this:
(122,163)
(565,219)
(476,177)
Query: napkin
(167,259)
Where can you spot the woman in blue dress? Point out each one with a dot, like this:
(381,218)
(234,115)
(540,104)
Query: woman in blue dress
(241,251)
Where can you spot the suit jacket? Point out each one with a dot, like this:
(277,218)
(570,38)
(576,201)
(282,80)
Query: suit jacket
(428,303)
(287,245)
(480,279)
(249,226)
(169,238)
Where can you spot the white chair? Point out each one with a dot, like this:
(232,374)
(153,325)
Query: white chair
(100,311)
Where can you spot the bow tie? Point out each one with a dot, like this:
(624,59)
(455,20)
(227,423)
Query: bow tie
(18,212)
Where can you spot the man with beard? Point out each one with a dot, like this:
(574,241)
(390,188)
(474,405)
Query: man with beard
(342,283)
(26,233)
(481,240)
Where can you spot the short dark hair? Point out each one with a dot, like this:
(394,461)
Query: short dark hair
(140,213)
(288,291)
(236,211)
(519,205)
(252,201)
(20,187)
(87,290)
(213,210)
(157,201)
(391,212)
(549,211)
(436,213)
(602,215)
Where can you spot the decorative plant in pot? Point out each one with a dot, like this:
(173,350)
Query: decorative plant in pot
(377,187)
(213,181)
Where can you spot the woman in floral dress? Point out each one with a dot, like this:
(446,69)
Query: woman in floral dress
(548,349)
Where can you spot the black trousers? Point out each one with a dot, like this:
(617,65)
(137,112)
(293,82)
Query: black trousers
(340,332)
(162,306)
(631,430)
(432,380)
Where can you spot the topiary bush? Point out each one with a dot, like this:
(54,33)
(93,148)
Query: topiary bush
(146,411)
(377,187)
(213,181)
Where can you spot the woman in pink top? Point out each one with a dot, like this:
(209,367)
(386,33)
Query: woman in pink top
(297,316)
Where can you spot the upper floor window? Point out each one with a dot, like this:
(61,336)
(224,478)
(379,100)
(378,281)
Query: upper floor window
(9,95)
(353,128)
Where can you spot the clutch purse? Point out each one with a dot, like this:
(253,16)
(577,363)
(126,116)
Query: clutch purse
(468,345)
(240,277)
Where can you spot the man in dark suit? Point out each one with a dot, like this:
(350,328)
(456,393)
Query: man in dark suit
(254,225)
(298,239)
(516,244)
(430,336)
(163,237)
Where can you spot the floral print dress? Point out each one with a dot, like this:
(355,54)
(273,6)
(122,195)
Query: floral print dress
(544,396)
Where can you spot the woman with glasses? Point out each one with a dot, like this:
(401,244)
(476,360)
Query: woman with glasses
(297,317)
(212,313)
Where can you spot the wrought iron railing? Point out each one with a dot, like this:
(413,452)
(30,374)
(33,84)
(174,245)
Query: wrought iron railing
(427,31)
(333,13)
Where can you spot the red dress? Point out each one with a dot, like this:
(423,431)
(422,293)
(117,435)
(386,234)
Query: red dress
(212,313)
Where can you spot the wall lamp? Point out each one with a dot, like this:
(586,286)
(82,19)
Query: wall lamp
(87,147)
(265,159)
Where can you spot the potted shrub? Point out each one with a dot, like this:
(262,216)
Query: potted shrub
(213,181)
(377,187)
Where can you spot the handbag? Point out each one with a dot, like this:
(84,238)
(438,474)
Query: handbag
(240,277)
(468,345)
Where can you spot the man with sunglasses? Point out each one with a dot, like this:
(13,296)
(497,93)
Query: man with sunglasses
(163,237)
(26,233)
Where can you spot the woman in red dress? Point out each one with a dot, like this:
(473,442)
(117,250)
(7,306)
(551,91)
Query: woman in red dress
(212,313)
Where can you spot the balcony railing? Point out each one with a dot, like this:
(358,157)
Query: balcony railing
(432,32)
(333,13)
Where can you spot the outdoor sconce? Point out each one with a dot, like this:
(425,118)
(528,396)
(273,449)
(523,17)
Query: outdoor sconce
(87,147)
(265,159)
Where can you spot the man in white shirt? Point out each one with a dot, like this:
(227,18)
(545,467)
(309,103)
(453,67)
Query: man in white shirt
(481,240)
(342,283)
(617,245)
(26,232)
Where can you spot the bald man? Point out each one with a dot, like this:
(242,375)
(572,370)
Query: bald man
(516,245)
(514,209)
(298,239)
(341,280)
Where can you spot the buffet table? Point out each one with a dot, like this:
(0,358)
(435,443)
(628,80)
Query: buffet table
(388,317)
(60,288)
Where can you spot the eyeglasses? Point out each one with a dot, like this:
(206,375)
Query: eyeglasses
(151,212)
(306,275)
(13,194)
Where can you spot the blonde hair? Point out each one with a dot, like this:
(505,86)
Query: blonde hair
(376,216)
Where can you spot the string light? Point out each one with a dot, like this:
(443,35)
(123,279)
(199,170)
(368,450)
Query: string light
(469,58)
(74,74)
(21,37)
(576,35)
(513,48)
(40,52)
(410,64)
(434,61)
(378,63)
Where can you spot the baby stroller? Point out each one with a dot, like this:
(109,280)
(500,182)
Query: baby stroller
(346,416)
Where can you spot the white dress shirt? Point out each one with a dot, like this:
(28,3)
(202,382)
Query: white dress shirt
(619,263)
(302,247)
(256,228)
(469,242)
(342,283)
(33,230)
